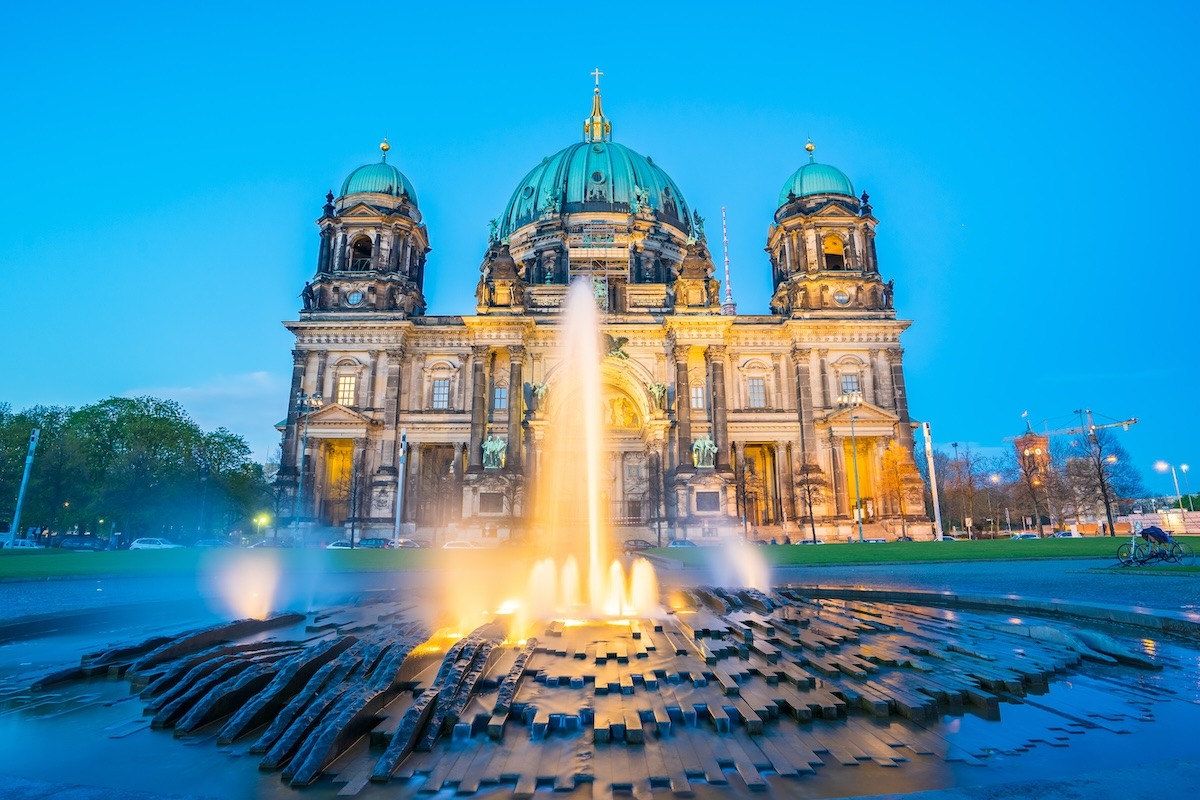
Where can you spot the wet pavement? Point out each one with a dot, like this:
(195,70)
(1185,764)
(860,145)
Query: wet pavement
(43,623)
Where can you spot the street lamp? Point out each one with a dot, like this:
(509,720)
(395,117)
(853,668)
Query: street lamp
(1163,466)
(1184,469)
(994,480)
(306,404)
(259,521)
(854,400)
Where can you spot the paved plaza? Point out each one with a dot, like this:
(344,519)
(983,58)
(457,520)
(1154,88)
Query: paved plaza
(44,623)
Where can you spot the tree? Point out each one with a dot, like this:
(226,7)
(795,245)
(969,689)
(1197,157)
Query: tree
(1105,472)
(811,489)
(900,481)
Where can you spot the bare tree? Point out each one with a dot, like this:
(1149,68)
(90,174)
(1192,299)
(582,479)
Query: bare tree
(900,480)
(811,489)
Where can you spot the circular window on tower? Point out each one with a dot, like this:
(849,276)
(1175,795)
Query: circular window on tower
(354,298)
(841,297)
(597,148)
(527,191)
(597,177)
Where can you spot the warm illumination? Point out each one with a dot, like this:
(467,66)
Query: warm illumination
(1161,466)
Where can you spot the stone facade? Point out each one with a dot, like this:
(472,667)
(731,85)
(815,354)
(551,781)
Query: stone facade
(719,424)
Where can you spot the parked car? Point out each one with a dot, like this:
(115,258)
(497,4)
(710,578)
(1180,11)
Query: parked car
(85,543)
(1068,535)
(154,544)
(681,543)
(375,543)
(1017,536)
(272,542)
(20,544)
(637,545)
(212,543)
(905,539)
(460,545)
(410,543)
(810,540)
(342,545)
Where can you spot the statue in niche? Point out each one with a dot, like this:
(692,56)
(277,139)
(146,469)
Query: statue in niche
(781,300)
(888,289)
(308,296)
(641,200)
(659,392)
(539,393)
(494,450)
(549,266)
(483,293)
(704,452)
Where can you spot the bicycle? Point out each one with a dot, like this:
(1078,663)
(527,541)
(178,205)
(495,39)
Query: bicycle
(1135,553)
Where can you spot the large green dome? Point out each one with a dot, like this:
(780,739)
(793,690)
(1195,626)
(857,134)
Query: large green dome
(379,178)
(596,176)
(814,178)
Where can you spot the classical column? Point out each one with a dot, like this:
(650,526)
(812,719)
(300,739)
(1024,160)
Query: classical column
(683,407)
(322,359)
(369,400)
(391,409)
(516,397)
(878,393)
(838,483)
(788,470)
(740,478)
(896,359)
(823,370)
(326,249)
(291,431)
(801,361)
(478,405)
(339,244)
(715,355)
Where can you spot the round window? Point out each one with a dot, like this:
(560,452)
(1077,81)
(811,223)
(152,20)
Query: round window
(597,148)
(527,191)
(841,298)
(597,177)
(354,298)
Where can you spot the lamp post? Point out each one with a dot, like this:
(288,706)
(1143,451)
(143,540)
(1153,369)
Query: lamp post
(962,511)
(1163,466)
(852,401)
(259,521)
(1184,469)
(933,485)
(994,480)
(306,404)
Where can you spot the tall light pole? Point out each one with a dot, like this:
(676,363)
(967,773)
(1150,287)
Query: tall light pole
(933,486)
(852,401)
(1163,466)
(994,480)
(16,520)
(306,404)
(1184,469)
(962,508)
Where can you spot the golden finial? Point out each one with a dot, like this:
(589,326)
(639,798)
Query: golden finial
(384,147)
(597,128)
(810,147)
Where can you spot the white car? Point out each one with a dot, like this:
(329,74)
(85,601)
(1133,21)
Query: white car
(154,544)
(460,545)
(342,545)
(20,544)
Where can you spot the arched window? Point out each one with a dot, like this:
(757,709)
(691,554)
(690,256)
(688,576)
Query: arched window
(360,254)
(835,252)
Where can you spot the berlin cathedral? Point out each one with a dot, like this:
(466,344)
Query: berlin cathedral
(792,424)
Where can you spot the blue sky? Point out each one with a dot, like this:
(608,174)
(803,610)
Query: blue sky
(1031,164)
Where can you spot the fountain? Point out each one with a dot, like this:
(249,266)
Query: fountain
(563,672)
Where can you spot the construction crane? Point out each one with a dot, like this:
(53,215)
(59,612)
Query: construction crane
(1090,428)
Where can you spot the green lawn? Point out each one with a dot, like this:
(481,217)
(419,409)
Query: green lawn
(17,565)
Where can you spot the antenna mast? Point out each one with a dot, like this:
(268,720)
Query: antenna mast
(728,308)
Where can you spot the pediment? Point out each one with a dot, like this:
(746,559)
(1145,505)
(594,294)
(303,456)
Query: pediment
(360,210)
(833,208)
(338,415)
(865,414)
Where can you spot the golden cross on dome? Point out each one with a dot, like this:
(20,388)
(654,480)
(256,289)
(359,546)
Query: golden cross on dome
(596,73)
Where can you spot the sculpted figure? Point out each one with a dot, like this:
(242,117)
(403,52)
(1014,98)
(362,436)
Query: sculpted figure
(308,295)
(659,392)
(704,452)
(493,452)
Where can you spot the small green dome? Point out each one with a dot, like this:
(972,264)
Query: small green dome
(594,176)
(379,178)
(814,178)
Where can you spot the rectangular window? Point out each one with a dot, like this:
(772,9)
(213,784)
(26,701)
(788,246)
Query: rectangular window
(850,384)
(708,501)
(499,398)
(698,397)
(346,384)
(491,503)
(441,392)
(757,390)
